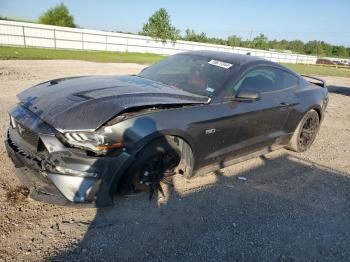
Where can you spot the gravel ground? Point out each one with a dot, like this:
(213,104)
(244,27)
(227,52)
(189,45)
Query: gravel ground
(291,207)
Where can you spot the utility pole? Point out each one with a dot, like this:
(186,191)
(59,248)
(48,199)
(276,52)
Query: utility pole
(250,38)
(251,33)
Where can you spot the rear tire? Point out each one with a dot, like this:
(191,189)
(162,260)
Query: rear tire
(305,133)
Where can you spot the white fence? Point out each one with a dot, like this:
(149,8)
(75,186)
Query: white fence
(37,35)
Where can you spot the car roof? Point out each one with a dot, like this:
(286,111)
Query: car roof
(238,59)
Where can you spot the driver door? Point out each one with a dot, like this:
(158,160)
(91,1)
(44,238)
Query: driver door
(246,127)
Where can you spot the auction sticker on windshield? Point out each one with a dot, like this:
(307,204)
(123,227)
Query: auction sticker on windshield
(220,63)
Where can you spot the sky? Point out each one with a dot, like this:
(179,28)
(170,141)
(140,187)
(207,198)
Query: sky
(324,20)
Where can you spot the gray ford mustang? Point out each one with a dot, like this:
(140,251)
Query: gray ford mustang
(84,139)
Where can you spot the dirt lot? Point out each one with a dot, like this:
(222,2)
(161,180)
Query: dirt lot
(291,207)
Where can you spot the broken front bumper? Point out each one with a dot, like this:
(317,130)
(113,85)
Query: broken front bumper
(58,174)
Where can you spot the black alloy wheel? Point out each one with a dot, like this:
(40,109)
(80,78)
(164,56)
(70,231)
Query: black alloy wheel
(308,132)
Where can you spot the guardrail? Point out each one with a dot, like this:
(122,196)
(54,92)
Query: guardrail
(46,36)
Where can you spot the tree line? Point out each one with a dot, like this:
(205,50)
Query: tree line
(159,27)
(318,48)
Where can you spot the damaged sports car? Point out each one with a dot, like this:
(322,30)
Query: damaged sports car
(83,139)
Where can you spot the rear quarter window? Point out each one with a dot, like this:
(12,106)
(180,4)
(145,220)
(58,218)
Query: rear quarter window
(288,80)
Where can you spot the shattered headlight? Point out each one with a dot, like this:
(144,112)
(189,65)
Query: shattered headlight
(91,141)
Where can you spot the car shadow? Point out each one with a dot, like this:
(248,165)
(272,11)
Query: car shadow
(276,209)
(342,90)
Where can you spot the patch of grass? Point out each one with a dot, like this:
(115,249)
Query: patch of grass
(7,53)
(319,70)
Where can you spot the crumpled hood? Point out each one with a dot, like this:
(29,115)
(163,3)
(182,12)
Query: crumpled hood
(85,103)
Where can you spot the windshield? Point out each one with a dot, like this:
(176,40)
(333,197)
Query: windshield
(192,73)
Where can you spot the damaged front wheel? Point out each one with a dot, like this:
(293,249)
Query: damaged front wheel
(154,165)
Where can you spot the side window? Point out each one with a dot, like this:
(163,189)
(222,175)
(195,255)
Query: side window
(266,79)
(288,80)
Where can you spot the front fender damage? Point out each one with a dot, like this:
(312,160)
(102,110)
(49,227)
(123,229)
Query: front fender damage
(71,173)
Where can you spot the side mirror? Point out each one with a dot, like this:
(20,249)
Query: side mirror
(247,95)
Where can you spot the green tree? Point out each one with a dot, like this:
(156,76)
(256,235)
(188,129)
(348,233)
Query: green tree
(296,46)
(202,37)
(260,42)
(217,41)
(327,49)
(159,27)
(58,15)
(190,35)
(278,45)
(339,51)
(311,47)
(246,43)
(234,40)
(314,48)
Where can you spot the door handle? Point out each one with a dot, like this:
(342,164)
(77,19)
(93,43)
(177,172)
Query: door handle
(285,104)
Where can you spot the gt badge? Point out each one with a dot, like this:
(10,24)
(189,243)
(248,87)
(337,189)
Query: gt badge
(210,131)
